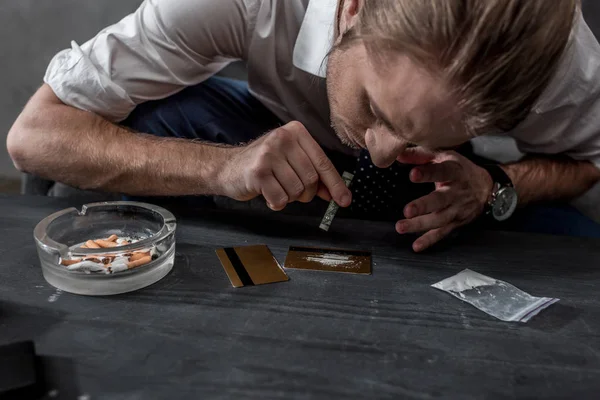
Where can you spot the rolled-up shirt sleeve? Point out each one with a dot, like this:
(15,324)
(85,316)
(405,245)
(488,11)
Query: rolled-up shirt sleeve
(571,131)
(163,47)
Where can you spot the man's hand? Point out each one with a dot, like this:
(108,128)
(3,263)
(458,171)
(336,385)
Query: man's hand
(462,190)
(284,165)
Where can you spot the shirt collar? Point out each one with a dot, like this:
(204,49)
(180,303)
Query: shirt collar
(316,37)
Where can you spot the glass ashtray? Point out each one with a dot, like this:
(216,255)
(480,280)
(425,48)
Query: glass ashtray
(106,248)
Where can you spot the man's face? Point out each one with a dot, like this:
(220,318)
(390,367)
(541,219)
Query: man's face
(386,108)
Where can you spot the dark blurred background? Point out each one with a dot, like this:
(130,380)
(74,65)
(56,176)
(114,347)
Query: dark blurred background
(32,31)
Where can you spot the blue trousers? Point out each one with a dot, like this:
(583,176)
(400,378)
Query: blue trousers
(223,111)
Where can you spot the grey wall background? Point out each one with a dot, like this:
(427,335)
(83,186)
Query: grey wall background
(591,12)
(32,31)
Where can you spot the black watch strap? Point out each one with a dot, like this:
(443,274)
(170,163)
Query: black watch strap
(498,175)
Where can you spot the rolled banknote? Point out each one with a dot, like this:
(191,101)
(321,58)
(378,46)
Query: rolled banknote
(333,206)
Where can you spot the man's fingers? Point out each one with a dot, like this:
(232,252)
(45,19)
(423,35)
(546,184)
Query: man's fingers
(289,181)
(416,156)
(434,201)
(323,192)
(432,237)
(306,172)
(274,194)
(426,222)
(327,172)
(439,172)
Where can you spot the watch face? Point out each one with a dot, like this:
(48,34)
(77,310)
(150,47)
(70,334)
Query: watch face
(505,203)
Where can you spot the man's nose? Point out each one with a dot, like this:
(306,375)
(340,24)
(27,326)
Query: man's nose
(383,147)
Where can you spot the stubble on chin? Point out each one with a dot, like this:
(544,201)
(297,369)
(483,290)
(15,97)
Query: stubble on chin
(342,134)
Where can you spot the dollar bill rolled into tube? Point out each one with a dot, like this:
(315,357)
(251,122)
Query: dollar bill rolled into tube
(333,206)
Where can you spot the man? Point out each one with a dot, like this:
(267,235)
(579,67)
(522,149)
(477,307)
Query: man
(403,78)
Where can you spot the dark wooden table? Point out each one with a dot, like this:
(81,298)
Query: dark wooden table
(320,335)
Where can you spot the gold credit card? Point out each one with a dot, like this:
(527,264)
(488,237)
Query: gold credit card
(251,265)
(334,260)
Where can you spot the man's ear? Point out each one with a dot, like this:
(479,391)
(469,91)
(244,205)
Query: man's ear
(348,15)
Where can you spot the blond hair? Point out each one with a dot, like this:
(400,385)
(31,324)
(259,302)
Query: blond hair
(497,56)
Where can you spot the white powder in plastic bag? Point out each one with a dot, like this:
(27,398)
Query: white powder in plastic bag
(494,297)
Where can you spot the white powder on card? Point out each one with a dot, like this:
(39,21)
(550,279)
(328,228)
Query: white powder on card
(332,260)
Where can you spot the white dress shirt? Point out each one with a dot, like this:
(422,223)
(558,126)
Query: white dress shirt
(167,45)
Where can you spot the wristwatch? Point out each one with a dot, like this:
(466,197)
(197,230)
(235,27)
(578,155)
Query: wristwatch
(504,196)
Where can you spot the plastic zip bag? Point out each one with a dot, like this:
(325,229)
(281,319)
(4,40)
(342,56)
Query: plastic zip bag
(494,297)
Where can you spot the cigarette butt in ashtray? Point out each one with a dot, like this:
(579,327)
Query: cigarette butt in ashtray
(333,207)
(66,263)
(139,262)
(90,244)
(108,259)
(138,256)
(112,238)
(87,266)
(105,243)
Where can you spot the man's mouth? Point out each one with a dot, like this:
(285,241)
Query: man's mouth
(347,138)
(353,143)
(345,135)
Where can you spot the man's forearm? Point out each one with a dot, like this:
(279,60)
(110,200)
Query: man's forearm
(547,179)
(78,148)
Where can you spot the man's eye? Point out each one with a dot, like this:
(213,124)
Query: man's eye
(371,111)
